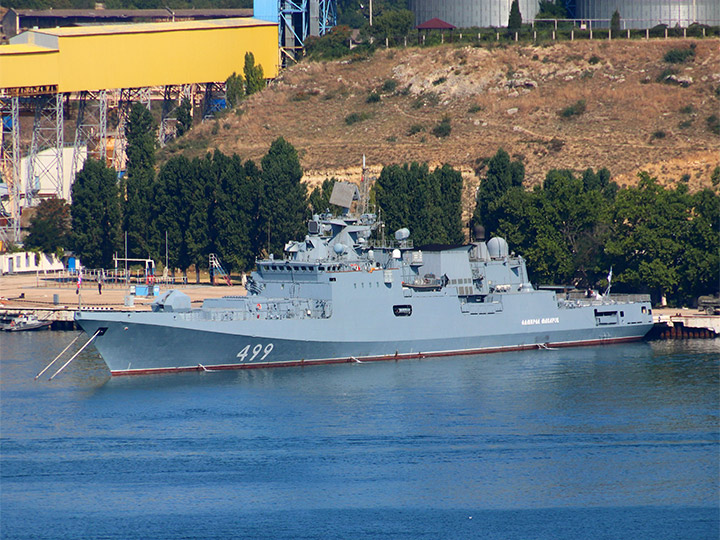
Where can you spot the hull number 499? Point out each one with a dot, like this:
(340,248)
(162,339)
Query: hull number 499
(256,350)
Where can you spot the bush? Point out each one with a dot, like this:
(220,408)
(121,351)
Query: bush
(439,81)
(678,56)
(659,134)
(443,128)
(713,124)
(594,59)
(415,128)
(475,108)
(389,86)
(576,109)
(688,109)
(665,73)
(374,97)
(354,118)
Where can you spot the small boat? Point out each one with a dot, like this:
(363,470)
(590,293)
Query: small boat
(26,323)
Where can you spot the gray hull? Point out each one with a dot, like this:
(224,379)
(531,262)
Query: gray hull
(132,345)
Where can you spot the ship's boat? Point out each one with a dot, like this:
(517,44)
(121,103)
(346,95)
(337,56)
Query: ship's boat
(25,323)
(338,295)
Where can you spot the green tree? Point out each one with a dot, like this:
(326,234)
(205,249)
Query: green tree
(334,44)
(254,77)
(646,243)
(449,206)
(615,24)
(283,203)
(394,191)
(429,204)
(319,198)
(234,89)
(184,117)
(515,19)
(171,214)
(137,185)
(199,202)
(502,174)
(552,10)
(49,227)
(96,217)
(235,212)
(393,24)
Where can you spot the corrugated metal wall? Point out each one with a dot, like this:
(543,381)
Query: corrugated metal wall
(649,13)
(635,13)
(469,13)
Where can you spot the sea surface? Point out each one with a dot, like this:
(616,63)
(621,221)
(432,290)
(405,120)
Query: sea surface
(615,442)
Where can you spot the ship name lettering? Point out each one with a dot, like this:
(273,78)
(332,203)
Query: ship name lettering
(544,320)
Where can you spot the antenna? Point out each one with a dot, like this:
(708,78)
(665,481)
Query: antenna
(364,188)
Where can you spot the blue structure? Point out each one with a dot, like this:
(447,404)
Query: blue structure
(297,20)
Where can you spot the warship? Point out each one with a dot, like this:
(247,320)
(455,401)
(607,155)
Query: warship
(339,295)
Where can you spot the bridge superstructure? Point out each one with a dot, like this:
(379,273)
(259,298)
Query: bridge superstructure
(104,69)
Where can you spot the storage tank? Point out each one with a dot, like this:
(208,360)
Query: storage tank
(649,13)
(469,13)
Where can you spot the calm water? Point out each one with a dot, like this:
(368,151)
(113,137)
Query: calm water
(612,442)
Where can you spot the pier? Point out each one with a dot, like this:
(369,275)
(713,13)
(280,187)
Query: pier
(684,324)
(49,298)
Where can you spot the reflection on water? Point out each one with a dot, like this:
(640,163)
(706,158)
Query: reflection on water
(546,441)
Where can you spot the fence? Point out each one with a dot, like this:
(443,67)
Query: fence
(113,278)
(545,30)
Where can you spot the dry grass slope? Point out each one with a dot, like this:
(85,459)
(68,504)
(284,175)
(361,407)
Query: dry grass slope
(508,97)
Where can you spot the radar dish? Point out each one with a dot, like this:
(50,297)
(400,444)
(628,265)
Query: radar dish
(343,194)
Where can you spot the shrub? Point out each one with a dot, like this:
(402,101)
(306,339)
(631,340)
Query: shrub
(389,86)
(688,109)
(354,118)
(665,73)
(576,109)
(678,56)
(300,96)
(443,128)
(439,80)
(594,59)
(374,97)
(659,134)
(556,144)
(475,108)
(415,128)
(713,124)
(715,176)
(685,124)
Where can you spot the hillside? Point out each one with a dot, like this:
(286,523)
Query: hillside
(507,96)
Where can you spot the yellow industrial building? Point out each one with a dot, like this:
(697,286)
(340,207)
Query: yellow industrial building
(65,60)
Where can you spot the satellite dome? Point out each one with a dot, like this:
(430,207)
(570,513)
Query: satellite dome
(339,248)
(497,247)
(402,234)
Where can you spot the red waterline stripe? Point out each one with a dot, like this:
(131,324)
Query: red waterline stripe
(385,358)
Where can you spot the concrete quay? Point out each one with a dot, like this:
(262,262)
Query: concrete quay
(684,324)
(48,299)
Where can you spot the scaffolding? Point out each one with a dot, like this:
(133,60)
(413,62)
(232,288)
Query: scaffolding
(91,129)
(10,167)
(48,128)
(302,18)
